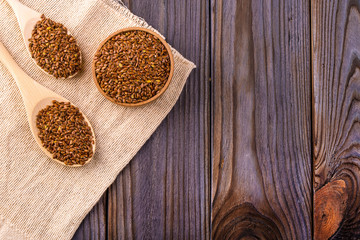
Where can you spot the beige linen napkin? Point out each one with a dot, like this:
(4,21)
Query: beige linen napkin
(41,199)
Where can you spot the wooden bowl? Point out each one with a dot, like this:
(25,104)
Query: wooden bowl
(161,90)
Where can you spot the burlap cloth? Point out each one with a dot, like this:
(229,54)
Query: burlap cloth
(39,198)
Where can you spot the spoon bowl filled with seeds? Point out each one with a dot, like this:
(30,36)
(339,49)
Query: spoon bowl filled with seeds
(133,67)
(63,132)
(50,44)
(60,129)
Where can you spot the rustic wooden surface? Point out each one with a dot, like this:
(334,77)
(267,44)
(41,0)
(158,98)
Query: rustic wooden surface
(283,113)
(261,185)
(164,192)
(336,79)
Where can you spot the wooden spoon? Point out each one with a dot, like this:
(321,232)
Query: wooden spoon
(35,97)
(27,19)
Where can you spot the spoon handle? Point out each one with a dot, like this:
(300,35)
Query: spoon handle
(22,12)
(14,4)
(26,17)
(9,62)
(30,90)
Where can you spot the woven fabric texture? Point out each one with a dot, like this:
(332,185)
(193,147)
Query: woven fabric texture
(39,198)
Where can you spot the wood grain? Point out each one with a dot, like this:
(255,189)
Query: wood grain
(261,185)
(94,225)
(164,192)
(336,81)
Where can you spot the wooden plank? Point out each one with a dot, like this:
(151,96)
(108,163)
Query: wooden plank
(164,192)
(336,81)
(94,225)
(261,185)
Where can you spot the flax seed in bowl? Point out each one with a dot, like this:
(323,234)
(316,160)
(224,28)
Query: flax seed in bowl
(133,66)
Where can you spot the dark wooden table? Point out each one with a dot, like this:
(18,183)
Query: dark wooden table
(264,140)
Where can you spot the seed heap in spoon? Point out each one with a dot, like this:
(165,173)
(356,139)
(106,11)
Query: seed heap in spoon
(65,133)
(54,50)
